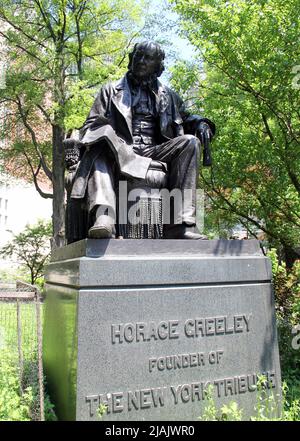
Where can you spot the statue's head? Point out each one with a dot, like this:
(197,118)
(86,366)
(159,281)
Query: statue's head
(146,60)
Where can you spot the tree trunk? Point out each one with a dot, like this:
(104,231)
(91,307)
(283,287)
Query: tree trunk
(32,276)
(58,220)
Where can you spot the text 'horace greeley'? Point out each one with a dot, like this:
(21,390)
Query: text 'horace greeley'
(172,329)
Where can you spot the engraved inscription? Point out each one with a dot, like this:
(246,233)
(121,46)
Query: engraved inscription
(146,398)
(242,384)
(179,361)
(130,332)
(202,327)
(173,329)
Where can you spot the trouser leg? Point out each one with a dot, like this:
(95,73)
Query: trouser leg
(101,188)
(182,155)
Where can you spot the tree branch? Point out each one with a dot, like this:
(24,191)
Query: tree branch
(283,157)
(44,112)
(31,54)
(35,181)
(21,30)
(34,140)
(234,209)
(46,20)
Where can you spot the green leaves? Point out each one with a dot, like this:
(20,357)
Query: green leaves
(249,49)
(59,53)
(13,406)
(31,247)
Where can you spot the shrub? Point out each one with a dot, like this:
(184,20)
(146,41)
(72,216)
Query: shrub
(287,303)
(14,406)
(269,407)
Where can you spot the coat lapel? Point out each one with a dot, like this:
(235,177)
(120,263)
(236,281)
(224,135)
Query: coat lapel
(122,101)
(163,102)
(162,96)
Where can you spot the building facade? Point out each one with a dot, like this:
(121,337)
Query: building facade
(20,204)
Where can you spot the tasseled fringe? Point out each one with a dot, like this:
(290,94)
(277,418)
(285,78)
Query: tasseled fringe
(147,222)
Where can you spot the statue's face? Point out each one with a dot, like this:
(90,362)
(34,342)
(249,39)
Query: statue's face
(145,62)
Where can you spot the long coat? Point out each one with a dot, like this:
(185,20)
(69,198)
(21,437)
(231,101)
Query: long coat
(110,119)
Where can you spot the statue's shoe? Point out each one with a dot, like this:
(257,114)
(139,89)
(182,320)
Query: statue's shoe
(102,229)
(184,231)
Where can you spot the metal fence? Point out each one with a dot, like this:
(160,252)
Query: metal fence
(21,352)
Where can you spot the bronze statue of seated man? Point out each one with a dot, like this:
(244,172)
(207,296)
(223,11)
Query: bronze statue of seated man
(132,123)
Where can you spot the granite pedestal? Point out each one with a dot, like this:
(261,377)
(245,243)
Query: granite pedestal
(144,326)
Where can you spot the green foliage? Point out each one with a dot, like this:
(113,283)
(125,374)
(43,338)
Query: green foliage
(59,51)
(34,408)
(228,412)
(287,289)
(185,78)
(31,247)
(268,406)
(245,82)
(291,410)
(13,405)
(17,405)
(19,390)
(58,54)
(231,412)
(275,408)
(287,305)
(160,25)
(101,411)
(287,301)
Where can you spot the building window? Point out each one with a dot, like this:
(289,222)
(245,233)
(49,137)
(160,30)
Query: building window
(3,211)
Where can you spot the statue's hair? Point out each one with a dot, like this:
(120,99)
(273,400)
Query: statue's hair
(159,52)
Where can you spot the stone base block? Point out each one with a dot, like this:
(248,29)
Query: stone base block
(143,327)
